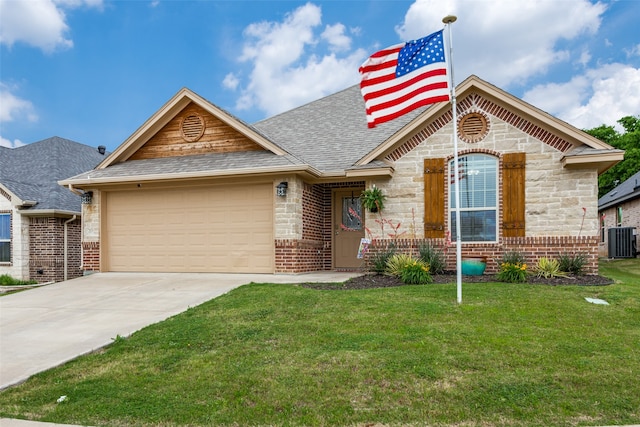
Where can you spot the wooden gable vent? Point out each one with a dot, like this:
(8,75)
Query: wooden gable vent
(192,127)
(473,127)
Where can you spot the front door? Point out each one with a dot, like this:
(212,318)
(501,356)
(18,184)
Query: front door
(348,228)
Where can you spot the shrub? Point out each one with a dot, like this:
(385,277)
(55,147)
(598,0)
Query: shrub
(572,263)
(512,272)
(416,273)
(378,260)
(548,268)
(433,257)
(514,257)
(6,280)
(397,263)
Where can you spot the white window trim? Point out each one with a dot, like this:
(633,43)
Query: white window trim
(450,210)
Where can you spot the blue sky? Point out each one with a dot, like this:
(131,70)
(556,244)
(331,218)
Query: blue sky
(95,70)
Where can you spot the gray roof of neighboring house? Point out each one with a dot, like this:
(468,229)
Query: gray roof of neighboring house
(629,189)
(331,133)
(32,171)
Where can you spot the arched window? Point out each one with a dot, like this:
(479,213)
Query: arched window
(478,182)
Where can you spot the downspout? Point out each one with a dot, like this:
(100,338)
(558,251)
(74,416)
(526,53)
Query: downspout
(79,193)
(74,190)
(66,242)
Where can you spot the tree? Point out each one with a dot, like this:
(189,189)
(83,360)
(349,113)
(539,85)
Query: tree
(628,141)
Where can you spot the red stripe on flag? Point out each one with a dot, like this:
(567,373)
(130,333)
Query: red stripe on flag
(406,97)
(391,89)
(422,103)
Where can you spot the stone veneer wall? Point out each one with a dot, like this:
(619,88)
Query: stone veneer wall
(46,247)
(18,267)
(91,234)
(561,203)
(533,248)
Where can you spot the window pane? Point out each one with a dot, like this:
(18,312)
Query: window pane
(476,226)
(478,181)
(352,213)
(5,252)
(5,226)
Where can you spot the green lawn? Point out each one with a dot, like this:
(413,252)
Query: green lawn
(265,354)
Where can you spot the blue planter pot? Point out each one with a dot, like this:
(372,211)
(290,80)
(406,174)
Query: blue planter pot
(473,266)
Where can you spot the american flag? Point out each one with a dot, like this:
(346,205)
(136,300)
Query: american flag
(403,77)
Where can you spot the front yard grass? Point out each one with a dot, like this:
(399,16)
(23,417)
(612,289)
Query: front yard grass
(267,354)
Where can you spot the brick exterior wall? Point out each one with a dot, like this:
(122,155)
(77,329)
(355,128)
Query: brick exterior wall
(533,248)
(46,247)
(91,256)
(630,218)
(313,251)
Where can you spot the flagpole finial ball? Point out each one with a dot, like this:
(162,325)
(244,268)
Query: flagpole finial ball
(449,19)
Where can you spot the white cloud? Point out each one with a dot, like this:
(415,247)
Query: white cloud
(599,96)
(504,42)
(39,23)
(334,34)
(15,108)
(10,144)
(634,51)
(290,63)
(230,81)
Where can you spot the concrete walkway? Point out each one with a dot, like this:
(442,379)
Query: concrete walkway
(45,327)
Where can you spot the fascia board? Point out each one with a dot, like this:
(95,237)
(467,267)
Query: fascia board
(48,212)
(15,199)
(603,160)
(90,182)
(371,172)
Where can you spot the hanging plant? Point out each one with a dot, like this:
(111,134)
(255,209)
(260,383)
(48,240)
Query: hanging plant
(373,199)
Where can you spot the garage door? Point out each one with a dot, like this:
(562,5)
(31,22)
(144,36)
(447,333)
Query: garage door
(226,229)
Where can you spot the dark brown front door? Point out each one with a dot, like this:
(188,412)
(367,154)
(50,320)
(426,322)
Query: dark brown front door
(348,228)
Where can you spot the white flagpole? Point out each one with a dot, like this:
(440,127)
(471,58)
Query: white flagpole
(448,20)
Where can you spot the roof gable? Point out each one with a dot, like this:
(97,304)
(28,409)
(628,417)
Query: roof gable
(165,134)
(194,131)
(475,94)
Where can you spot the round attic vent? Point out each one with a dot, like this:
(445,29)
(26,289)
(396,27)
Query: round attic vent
(473,127)
(192,127)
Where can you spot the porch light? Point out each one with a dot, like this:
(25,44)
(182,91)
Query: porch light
(281,189)
(86,197)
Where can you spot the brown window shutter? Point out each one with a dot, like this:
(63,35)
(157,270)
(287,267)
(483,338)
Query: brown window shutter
(513,177)
(434,198)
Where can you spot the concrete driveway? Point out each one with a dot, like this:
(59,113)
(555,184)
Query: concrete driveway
(45,327)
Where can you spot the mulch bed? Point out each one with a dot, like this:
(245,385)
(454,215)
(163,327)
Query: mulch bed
(369,281)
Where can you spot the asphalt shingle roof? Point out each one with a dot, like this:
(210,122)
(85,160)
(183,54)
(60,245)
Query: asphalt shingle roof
(198,163)
(629,189)
(331,133)
(32,171)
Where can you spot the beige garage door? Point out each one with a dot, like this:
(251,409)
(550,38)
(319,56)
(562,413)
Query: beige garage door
(203,229)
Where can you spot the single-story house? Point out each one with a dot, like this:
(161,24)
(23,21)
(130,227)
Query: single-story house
(40,222)
(618,209)
(197,189)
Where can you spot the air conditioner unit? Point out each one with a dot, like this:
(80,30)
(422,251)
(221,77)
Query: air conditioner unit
(622,242)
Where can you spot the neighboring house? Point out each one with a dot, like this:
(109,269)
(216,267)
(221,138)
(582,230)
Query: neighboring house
(620,207)
(196,189)
(40,221)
